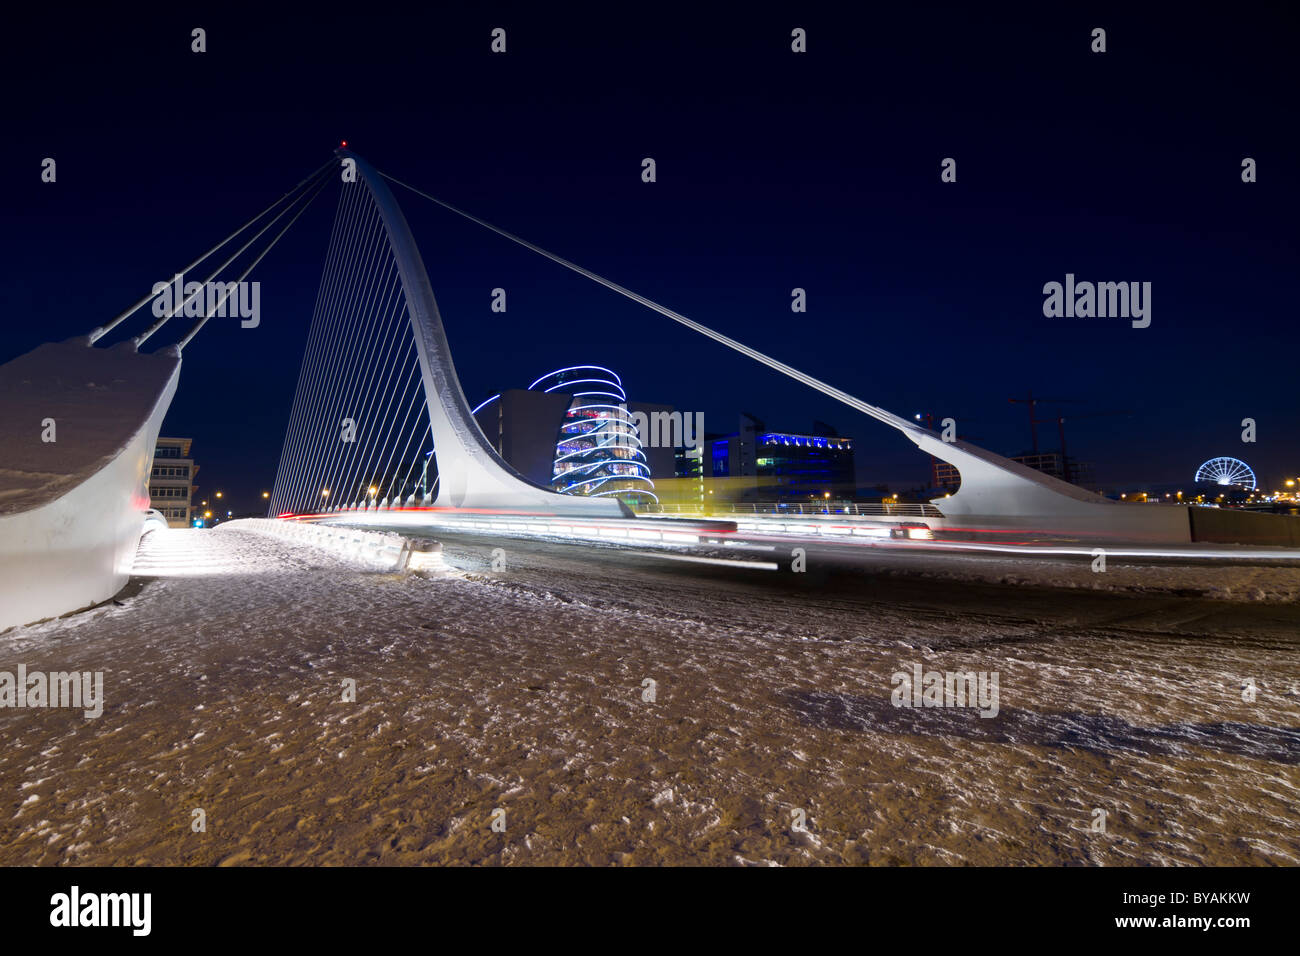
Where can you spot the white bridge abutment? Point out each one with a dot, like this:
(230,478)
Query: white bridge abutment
(1000,495)
(72,509)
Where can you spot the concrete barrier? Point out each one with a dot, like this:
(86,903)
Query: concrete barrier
(1228,526)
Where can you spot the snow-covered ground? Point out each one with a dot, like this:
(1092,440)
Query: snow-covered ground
(515,681)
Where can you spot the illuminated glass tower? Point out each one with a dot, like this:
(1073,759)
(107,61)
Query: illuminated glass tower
(598,450)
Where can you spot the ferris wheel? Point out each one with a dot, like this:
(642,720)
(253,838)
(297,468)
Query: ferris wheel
(1227,471)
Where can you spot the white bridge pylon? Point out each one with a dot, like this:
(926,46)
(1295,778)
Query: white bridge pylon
(315,472)
(470,472)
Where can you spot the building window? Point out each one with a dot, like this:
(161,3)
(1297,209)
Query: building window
(169,493)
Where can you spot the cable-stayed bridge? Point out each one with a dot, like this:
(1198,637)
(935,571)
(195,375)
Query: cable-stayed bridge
(377,398)
(376,307)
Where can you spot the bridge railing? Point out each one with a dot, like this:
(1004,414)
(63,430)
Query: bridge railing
(902,509)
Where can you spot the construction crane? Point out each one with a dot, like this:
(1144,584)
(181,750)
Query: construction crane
(1034,421)
(1060,424)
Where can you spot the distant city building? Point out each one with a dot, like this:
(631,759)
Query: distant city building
(1064,467)
(688,462)
(569,431)
(785,465)
(171,481)
(688,488)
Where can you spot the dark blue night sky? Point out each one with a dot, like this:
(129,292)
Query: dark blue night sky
(775,171)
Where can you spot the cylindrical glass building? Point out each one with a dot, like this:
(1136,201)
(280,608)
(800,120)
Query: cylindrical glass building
(598,451)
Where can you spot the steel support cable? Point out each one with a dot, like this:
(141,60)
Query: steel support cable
(163,320)
(194,329)
(311,356)
(344,287)
(856,403)
(419,449)
(383,283)
(388,389)
(103,330)
(350,393)
(308,384)
(406,479)
(365,476)
(309,353)
(380,375)
(375,278)
(363,469)
(409,403)
(334,281)
(410,436)
(369,239)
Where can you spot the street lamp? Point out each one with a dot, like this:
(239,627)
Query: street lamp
(266,494)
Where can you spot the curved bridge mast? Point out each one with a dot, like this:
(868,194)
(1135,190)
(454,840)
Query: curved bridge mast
(470,472)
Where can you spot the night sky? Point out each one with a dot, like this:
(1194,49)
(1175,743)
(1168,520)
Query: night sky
(775,170)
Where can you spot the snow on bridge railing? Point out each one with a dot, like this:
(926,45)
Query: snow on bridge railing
(377,548)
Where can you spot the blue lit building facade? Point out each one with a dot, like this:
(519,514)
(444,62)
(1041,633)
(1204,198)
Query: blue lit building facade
(785,465)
